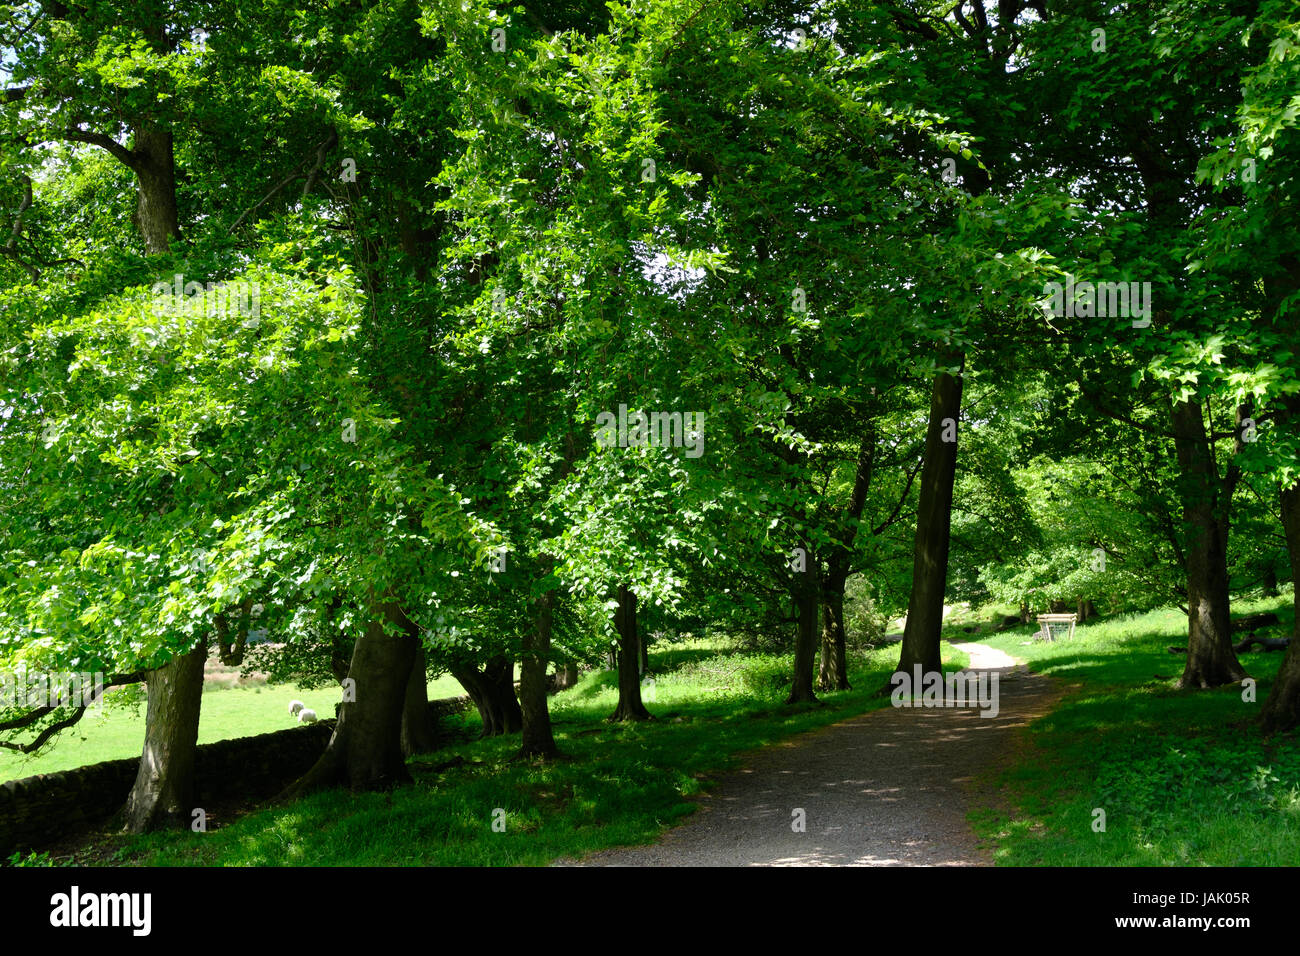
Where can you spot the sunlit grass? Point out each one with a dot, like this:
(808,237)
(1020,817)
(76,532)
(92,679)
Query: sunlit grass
(118,732)
(1184,777)
(620,784)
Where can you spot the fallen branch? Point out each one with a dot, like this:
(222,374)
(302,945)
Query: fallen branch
(1254,622)
(1267,643)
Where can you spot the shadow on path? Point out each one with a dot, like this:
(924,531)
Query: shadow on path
(891,787)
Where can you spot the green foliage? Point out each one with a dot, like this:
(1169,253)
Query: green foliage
(468,246)
(34,859)
(865,622)
(757,677)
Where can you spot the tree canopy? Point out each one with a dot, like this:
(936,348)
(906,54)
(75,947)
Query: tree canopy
(455,336)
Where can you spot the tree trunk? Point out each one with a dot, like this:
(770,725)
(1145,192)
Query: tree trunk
(538,740)
(499,675)
(566,675)
(365,750)
(493,693)
(340,660)
(834,670)
(155,170)
(419,729)
(1270,582)
(630,706)
(643,644)
(1282,708)
(933,522)
(805,647)
(163,793)
(834,673)
(1211,661)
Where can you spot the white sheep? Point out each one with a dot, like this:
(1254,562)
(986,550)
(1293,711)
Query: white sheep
(307,716)
(295,706)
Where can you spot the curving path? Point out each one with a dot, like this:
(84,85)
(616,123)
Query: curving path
(891,787)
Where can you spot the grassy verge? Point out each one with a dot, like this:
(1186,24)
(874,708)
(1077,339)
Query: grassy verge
(620,784)
(1183,777)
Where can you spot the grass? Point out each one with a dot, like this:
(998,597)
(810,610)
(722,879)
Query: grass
(227,712)
(620,784)
(1184,777)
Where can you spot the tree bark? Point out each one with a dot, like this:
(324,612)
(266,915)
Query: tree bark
(804,591)
(1282,708)
(566,675)
(629,706)
(493,693)
(419,729)
(1270,582)
(834,673)
(1211,661)
(933,523)
(155,170)
(365,750)
(834,668)
(163,793)
(538,740)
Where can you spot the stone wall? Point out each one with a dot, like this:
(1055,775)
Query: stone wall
(40,810)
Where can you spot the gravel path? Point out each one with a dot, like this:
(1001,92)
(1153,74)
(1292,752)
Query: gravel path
(891,787)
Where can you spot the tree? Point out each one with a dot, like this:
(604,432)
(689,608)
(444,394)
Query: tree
(163,792)
(934,517)
(1254,169)
(629,706)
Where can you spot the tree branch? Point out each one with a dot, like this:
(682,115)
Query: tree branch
(911,477)
(32,716)
(46,734)
(18,216)
(325,145)
(672,43)
(293,174)
(114,148)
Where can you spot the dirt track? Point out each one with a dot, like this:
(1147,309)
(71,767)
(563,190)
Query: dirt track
(891,787)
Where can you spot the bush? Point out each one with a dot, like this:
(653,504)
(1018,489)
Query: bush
(736,675)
